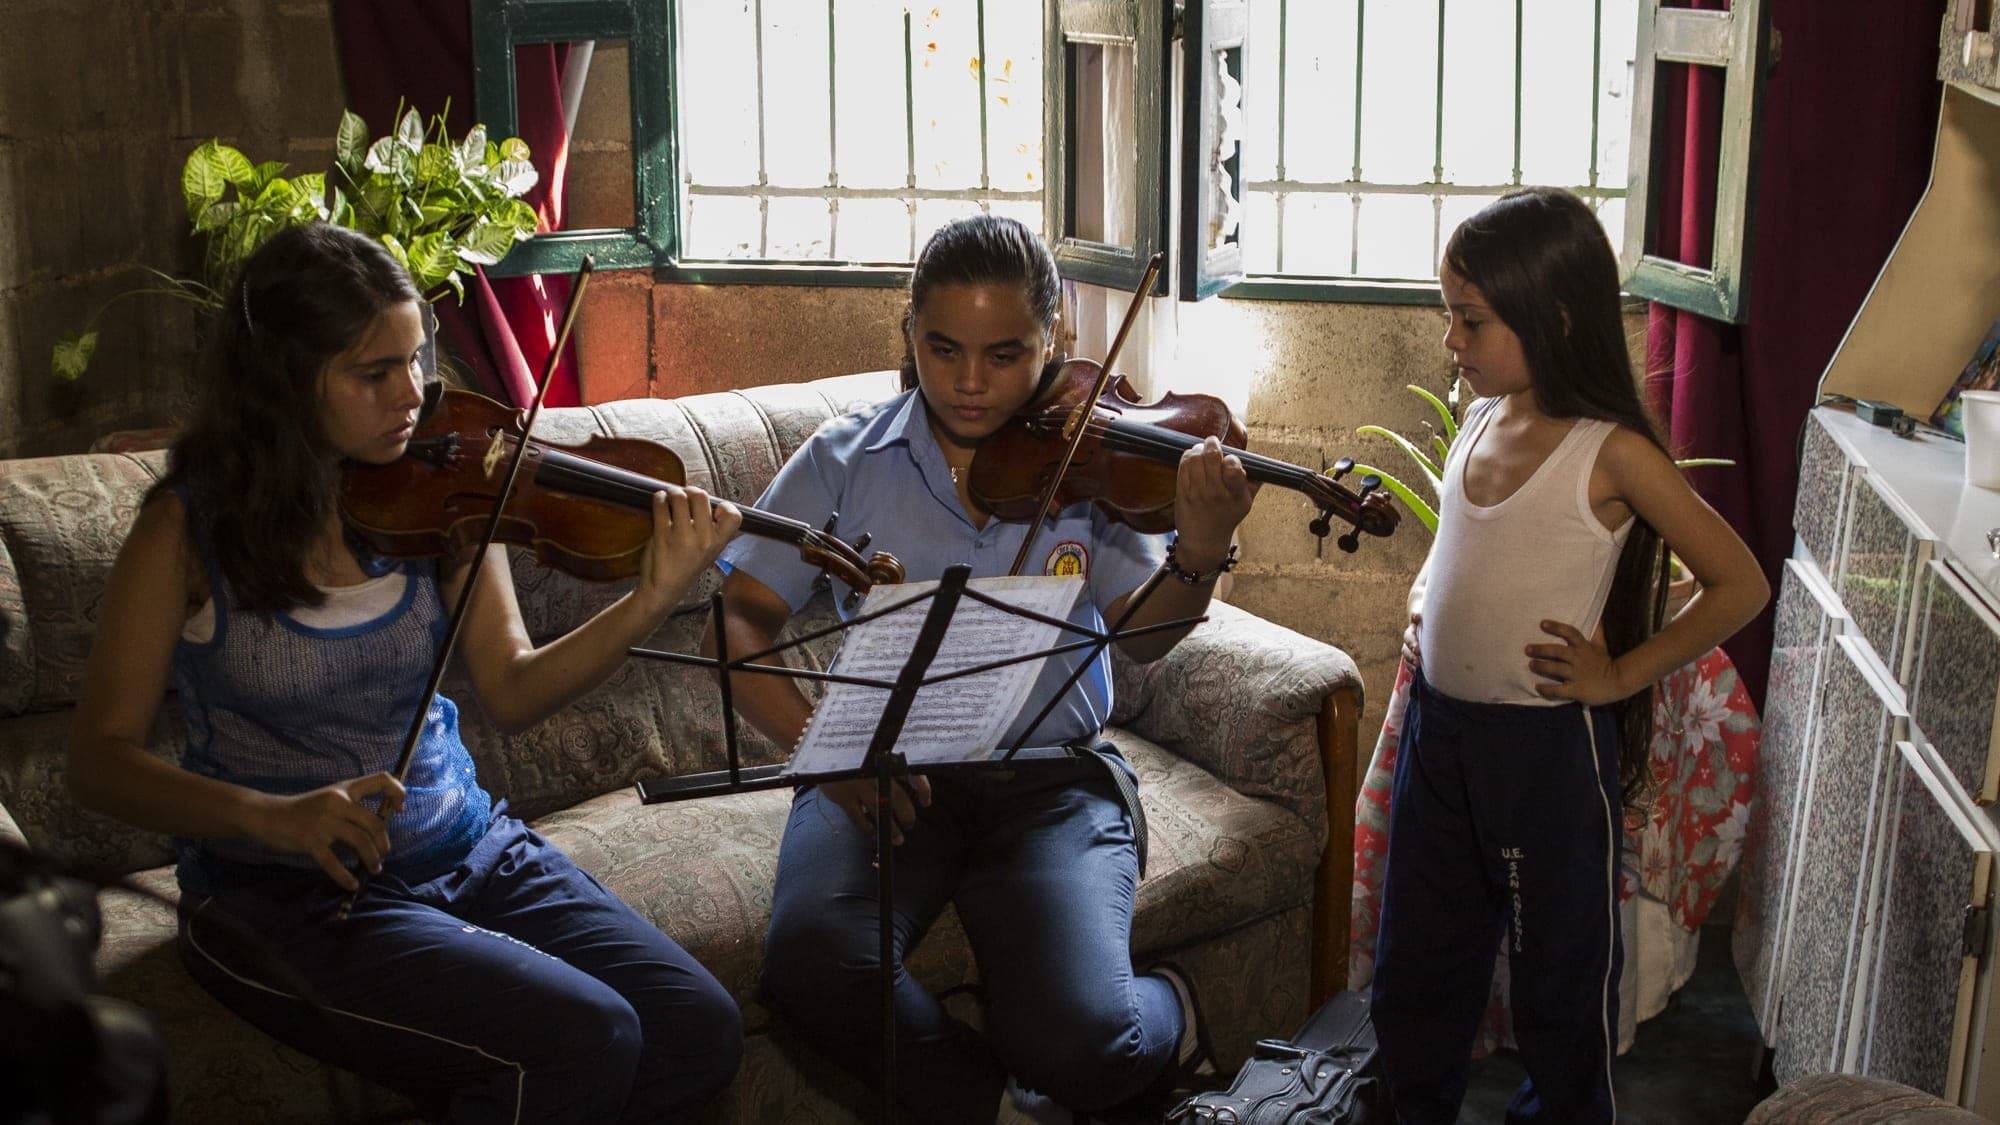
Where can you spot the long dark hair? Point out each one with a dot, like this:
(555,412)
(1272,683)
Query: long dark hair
(980,250)
(1545,267)
(254,458)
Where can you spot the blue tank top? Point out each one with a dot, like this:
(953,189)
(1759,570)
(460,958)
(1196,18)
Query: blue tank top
(278,706)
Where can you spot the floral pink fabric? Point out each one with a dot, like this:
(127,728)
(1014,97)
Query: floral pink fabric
(1679,848)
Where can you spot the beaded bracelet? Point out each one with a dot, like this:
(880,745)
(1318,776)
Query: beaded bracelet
(1197,577)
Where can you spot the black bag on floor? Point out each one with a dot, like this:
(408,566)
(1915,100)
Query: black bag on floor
(1324,1075)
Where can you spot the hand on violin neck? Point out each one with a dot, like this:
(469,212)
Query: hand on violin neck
(1211,496)
(689,531)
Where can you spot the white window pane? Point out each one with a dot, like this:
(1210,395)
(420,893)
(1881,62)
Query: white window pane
(870,135)
(934,213)
(795,91)
(1394,237)
(1399,94)
(1612,214)
(1260,232)
(720,226)
(1318,233)
(873,230)
(1029,214)
(1457,209)
(1556,92)
(944,87)
(1479,94)
(1014,95)
(1260,91)
(1614,99)
(1319,91)
(717,87)
(798,228)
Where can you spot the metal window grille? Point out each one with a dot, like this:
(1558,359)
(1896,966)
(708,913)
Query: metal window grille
(1483,56)
(752,194)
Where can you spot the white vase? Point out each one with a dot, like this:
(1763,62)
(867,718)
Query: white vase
(1981,414)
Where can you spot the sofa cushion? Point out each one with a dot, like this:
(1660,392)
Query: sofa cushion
(32,764)
(62,520)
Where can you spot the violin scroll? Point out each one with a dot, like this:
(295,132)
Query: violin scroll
(839,560)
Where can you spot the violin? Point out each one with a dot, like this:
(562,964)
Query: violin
(1128,456)
(585,509)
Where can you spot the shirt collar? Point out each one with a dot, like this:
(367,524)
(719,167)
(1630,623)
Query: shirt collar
(910,414)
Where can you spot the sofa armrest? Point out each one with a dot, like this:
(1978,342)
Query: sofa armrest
(1241,697)
(1273,714)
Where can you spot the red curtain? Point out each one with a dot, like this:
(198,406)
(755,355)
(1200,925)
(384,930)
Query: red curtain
(1849,119)
(419,53)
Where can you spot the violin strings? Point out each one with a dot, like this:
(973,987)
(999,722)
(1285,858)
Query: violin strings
(1145,437)
(560,472)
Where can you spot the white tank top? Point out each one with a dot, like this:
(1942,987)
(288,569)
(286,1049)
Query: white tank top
(1495,574)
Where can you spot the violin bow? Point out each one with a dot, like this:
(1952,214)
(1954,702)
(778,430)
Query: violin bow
(410,738)
(1079,422)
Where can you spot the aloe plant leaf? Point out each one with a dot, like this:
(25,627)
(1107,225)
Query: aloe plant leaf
(1444,412)
(1423,511)
(1406,446)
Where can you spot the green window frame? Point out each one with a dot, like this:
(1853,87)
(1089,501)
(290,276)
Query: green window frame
(1734,41)
(498,27)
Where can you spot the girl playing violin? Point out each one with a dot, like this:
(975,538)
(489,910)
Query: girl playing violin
(1042,864)
(478,972)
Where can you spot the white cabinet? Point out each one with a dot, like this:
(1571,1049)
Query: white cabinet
(1861,933)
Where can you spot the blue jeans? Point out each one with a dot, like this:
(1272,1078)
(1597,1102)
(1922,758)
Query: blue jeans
(1504,821)
(512,988)
(1042,868)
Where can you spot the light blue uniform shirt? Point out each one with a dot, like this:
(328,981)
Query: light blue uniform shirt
(882,470)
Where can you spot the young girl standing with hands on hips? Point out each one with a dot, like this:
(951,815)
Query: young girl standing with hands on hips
(1536,646)
(479,972)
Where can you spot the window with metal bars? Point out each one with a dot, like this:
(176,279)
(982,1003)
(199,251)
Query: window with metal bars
(816,130)
(821,141)
(1376,126)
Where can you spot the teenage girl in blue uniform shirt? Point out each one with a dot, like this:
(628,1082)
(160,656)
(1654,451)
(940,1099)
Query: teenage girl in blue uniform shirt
(479,972)
(1536,644)
(1041,864)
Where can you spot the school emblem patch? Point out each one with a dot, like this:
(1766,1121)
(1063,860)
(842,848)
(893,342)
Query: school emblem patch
(1069,560)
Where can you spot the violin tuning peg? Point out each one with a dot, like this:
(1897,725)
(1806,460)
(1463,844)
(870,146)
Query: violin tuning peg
(861,544)
(1350,542)
(1322,526)
(1343,467)
(1369,483)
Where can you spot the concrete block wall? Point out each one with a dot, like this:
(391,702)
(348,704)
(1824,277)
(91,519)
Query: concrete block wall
(100,102)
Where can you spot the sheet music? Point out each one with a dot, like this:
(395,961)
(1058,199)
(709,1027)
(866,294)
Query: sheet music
(961,720)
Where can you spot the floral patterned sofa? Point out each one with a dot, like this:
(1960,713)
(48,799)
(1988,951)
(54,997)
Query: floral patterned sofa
(1243,737)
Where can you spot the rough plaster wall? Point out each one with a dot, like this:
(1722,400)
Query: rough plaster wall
(99,104)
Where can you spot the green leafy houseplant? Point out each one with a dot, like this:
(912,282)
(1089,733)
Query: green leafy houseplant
(441,207)
(1441,436)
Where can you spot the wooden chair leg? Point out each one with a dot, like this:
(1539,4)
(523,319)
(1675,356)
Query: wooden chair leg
(1340,766)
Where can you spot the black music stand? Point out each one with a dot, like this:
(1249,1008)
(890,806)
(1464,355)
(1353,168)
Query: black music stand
(882,761)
